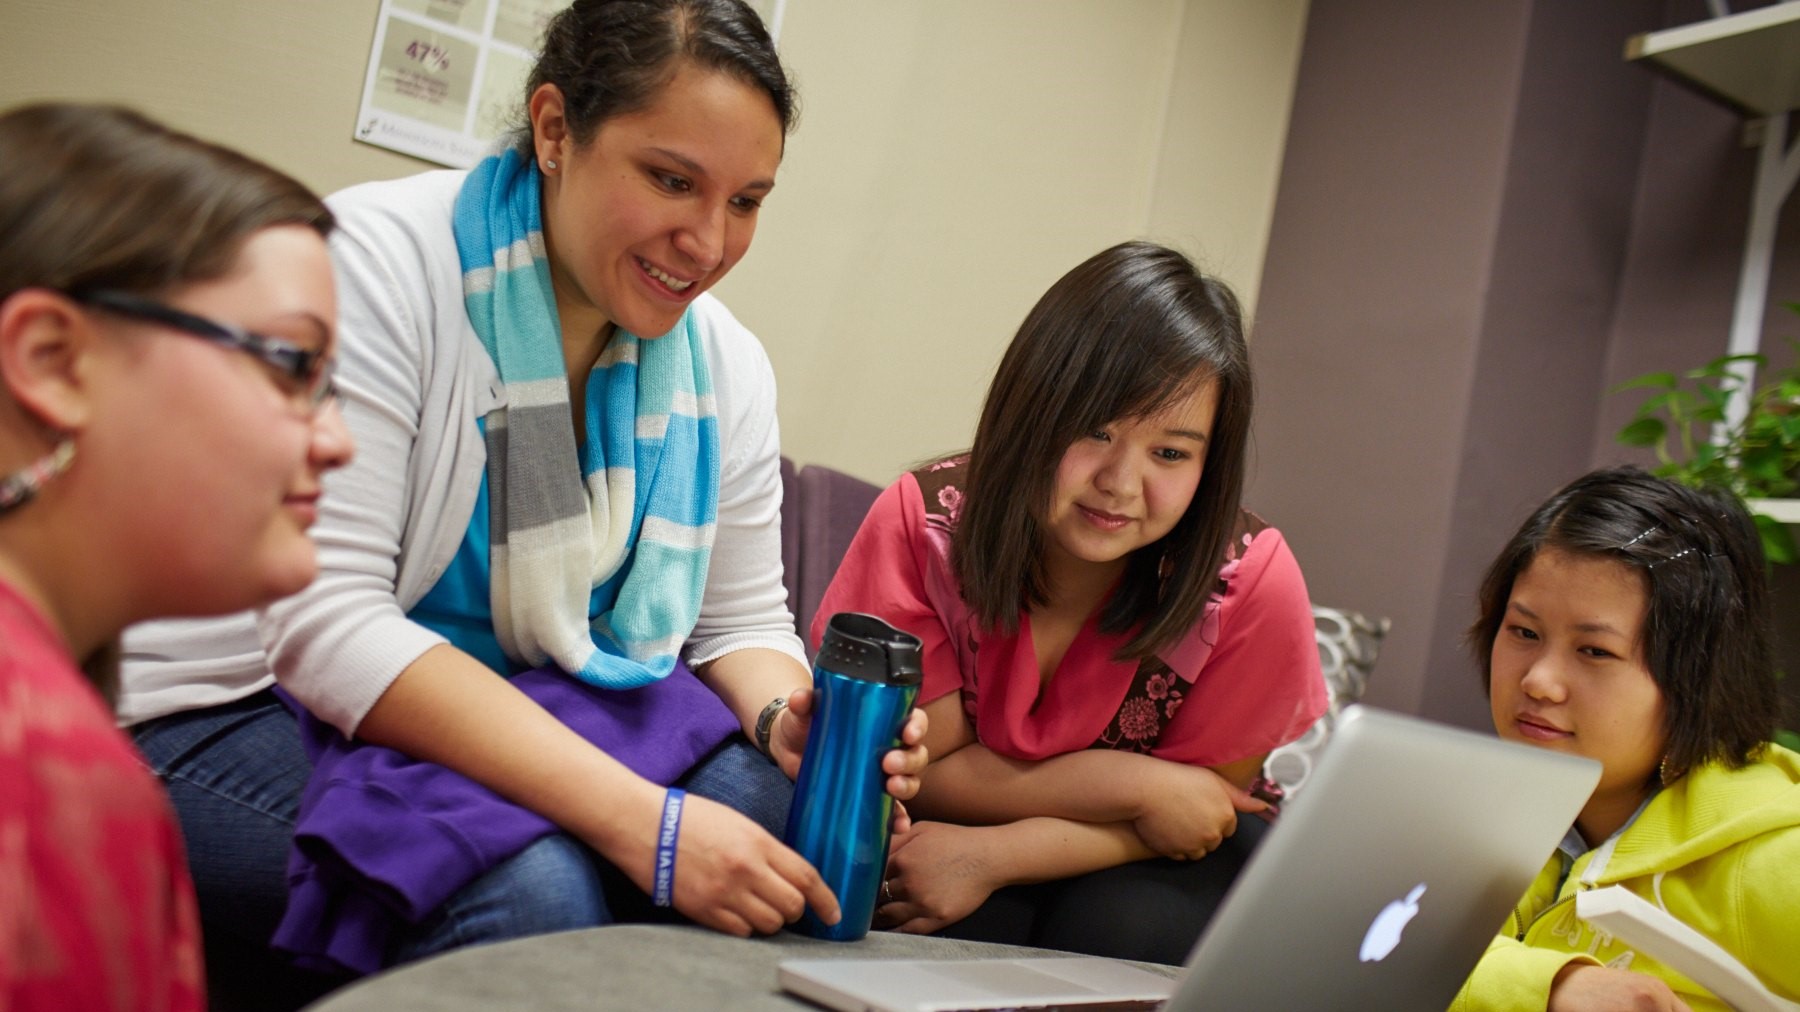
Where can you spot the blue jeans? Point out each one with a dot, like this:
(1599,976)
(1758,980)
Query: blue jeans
(235,774)
(558,883)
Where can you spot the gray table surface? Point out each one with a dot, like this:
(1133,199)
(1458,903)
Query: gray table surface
(632,966)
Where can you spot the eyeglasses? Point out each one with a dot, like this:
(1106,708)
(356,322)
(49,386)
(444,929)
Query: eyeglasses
(304,374)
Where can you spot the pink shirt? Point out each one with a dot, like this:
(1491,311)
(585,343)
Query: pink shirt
(96,910)
(1244,680)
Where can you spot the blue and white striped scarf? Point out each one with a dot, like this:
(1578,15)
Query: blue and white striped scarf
(641,515)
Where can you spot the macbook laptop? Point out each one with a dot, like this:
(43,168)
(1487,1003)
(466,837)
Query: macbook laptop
(1379,887)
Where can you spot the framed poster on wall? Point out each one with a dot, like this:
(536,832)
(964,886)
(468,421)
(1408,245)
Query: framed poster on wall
(446,78)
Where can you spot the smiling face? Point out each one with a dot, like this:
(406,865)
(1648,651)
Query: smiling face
(659,205)
(209,457)
(1568,673)
(1127,485)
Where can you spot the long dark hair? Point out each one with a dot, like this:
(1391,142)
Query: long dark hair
(1131,330)
(1706,634)
(609,57)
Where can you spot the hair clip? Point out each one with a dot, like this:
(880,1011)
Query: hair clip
(1672,558)
(1647,532)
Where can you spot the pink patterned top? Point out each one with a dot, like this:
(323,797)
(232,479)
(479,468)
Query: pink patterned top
(96,909)
(1243,681)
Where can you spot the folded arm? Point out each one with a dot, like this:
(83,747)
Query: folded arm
(1176,810)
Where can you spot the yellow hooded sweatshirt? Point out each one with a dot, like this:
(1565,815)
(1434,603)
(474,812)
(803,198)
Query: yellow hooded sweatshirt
(1719,849)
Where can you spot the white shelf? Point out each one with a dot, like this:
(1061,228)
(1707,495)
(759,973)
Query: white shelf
(1749,60)
(1785,510)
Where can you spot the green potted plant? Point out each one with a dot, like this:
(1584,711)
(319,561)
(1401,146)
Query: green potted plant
(1683,420)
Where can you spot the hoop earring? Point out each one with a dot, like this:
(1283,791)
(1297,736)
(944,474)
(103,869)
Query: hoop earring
(1165,568)
(23,485)
(1663,774)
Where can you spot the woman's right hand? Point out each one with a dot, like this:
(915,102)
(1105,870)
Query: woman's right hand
(1187,811)
(1584,987)
(732,876)
(901,765)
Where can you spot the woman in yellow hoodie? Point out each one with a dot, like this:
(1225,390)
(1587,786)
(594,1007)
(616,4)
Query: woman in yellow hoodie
(1627,621)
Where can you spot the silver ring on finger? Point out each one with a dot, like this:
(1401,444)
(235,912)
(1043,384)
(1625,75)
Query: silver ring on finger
(887,891)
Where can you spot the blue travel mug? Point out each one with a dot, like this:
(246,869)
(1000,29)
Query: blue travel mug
(865,679)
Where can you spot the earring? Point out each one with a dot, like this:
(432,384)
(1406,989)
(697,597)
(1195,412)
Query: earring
(549,165)
(18,488)
(1663,774)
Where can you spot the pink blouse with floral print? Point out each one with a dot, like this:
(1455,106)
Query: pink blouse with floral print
(1243,681)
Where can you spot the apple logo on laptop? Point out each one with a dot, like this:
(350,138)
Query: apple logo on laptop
(1384,931)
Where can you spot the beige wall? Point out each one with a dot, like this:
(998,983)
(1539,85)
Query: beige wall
(280,81)
(954,157)
(1224,136)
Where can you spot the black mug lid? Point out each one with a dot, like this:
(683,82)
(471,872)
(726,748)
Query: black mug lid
(865,647)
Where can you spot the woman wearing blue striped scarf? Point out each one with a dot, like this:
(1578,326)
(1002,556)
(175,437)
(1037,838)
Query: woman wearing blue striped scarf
(562,280)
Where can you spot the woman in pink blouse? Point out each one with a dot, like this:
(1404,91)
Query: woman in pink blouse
(1112,644)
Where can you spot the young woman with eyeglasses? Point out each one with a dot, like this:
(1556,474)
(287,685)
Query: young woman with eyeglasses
(167,330)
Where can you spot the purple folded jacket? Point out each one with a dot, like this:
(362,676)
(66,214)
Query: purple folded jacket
(382,840)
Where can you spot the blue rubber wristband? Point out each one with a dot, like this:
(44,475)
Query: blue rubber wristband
(666,836)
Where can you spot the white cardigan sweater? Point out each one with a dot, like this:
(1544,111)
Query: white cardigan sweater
(414,380)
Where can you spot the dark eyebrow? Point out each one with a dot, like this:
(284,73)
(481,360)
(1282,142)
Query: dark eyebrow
(1198,437)
(694,168)
(1590,627)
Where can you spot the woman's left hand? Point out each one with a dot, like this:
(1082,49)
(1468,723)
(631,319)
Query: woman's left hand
(1188,811)
(937,874)
(787,741)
